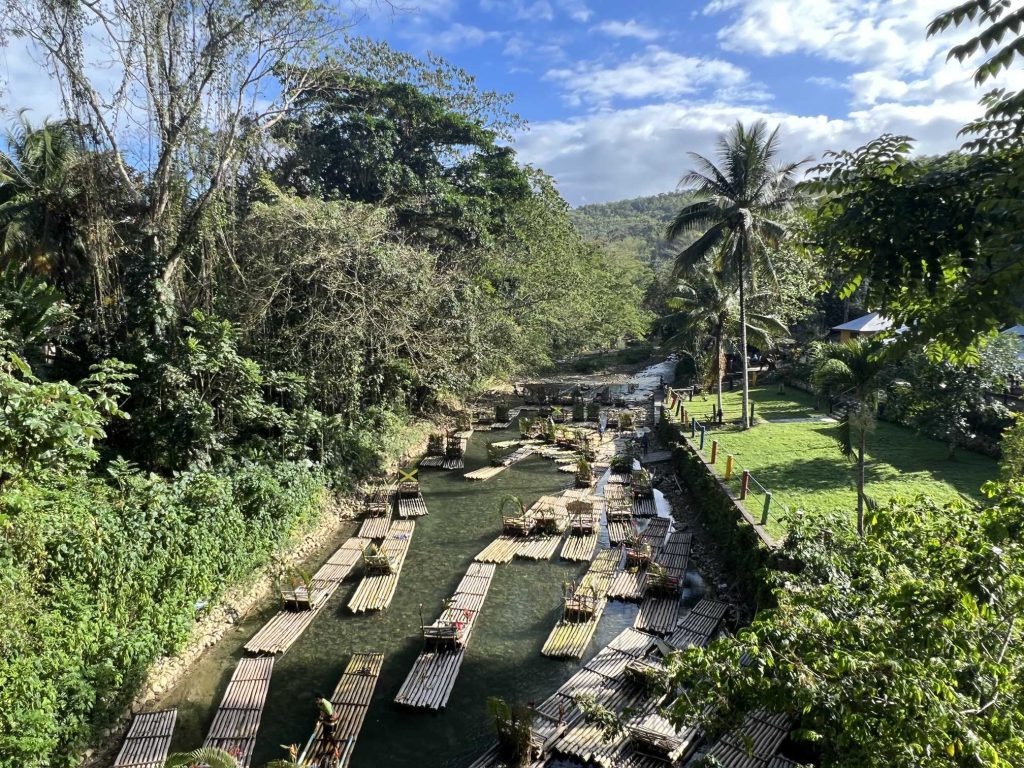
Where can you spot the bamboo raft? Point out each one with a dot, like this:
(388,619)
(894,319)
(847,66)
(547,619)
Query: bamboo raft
(278,634)
(644,506)
(148,740)
(376,590)
(430,682)
(504,548)
(658,615)
(412,506)
(549,510)
(351,699)
(754,744)
(486,473)
(238,717)
(571,636)
(659,612)
(620,530)
(629,585)
(655,532)
(699,626)
(580,547)
(374,528)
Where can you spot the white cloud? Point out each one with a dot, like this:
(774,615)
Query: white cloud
(643,151)
(576,9)
(457,35)
(654,73)
(631,28)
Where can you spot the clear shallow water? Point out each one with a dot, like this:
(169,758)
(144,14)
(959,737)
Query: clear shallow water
(504,658)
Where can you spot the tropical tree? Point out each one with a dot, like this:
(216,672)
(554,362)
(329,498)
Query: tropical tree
(740,203)
(204,757)
(36,186)
(709,304)
(854,371)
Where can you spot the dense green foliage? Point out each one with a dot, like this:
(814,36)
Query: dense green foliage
(637,224)
(900,649)
(197,342)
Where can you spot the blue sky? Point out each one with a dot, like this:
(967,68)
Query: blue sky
(617,93)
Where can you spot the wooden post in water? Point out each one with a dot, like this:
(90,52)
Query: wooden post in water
(714,451)
(744,484)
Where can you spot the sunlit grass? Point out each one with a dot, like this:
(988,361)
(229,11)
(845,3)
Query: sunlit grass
(800,462)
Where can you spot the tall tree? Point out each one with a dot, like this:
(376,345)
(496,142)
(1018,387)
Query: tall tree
(37,234)
(853,371)
(200,81)
(741,201)
(709,304)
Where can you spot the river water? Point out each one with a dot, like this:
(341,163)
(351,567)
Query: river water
(503,660)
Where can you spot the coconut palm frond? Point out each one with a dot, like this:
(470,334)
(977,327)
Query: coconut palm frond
(204,757)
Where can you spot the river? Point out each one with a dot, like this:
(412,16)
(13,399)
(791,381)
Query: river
(503,660)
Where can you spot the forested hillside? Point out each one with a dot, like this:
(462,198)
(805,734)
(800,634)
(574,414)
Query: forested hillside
(208,326)
(636,225)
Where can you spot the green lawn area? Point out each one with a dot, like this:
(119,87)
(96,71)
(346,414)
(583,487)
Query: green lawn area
(768,404)
(801,465)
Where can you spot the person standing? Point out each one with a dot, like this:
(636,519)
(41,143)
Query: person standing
(327,720)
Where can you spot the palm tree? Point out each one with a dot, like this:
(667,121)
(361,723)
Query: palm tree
(709,304)
(37,199)
(737,213)
(204,757)
(855,370)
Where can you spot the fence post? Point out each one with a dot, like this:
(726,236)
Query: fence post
(744,484)
(714,451)
(728,466)
(702,437)
(767,506)
(693,427)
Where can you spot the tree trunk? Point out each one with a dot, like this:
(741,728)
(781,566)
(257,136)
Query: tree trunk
(719,372)
(743,343)
(860,483)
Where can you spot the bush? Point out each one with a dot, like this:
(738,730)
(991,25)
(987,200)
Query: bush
(98,579)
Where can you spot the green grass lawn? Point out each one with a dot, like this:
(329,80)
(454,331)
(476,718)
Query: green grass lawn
(801,465)
(769,404)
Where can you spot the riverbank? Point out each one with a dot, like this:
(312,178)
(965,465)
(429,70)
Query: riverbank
(223,627)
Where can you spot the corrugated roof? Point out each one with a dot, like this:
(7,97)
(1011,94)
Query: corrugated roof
(870,323)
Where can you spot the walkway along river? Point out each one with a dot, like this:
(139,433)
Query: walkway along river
(503,660)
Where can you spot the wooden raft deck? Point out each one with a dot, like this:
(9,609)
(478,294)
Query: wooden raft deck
(278,634)
(430,682)
(644,506)
(580,547)
(536,546)
(375,591)
(238,717)
(412,506)
(351,700)
(375,527)
(754,744)
(659,614)
(486,473)
(148,740)
(569,639)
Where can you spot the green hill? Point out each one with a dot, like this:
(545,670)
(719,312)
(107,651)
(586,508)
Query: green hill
(637,224)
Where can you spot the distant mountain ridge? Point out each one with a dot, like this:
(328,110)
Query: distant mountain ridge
(637,224)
